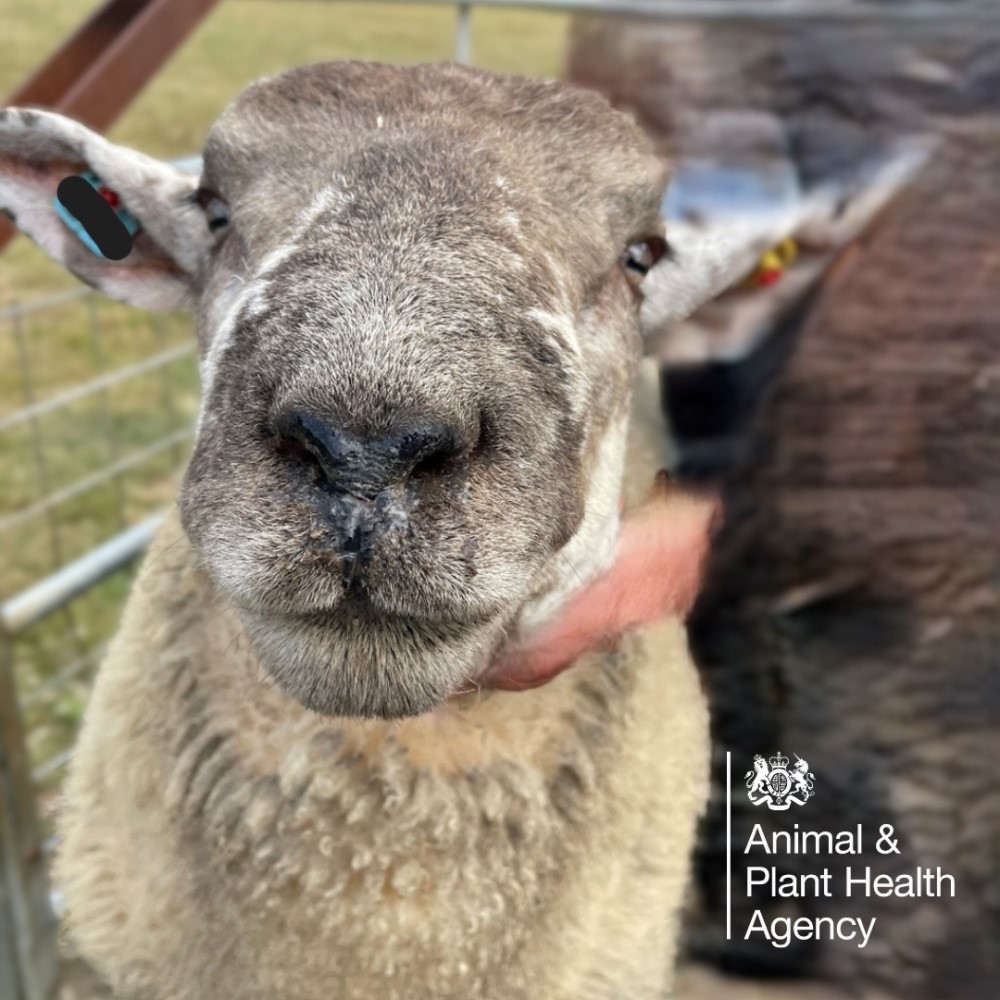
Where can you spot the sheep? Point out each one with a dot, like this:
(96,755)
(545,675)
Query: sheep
(308,768)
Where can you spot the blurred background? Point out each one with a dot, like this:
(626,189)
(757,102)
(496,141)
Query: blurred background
(844,397)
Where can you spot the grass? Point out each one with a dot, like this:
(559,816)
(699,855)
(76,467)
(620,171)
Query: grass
(71,343)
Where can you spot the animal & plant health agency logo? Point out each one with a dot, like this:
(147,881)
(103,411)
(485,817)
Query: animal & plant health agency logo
(768,878)
(774,784)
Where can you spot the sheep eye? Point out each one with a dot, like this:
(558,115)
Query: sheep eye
(642,256)
(216,210)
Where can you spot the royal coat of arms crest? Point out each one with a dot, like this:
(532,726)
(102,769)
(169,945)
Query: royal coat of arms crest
(774,784)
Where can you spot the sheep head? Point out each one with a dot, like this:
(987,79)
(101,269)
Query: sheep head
(419,297)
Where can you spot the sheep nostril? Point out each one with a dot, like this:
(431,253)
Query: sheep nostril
(429,449)
(364,466)
(306,438)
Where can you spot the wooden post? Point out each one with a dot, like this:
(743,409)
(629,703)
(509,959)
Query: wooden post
(27,925)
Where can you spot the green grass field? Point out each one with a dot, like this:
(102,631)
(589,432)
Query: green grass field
(68,344)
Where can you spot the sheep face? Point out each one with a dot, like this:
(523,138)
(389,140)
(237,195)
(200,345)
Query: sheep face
(418,296)
(418,339)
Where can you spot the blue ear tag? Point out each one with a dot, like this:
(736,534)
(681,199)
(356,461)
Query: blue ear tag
(95,215)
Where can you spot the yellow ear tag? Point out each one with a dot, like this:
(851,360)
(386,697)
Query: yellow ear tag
(772,264)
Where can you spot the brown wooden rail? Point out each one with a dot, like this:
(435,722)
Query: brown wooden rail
(100,69)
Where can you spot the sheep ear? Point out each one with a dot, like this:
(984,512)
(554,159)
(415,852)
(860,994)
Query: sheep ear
(703,262)
(712,255)
(39,150)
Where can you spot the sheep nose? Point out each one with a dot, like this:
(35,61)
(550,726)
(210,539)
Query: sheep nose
(365,466)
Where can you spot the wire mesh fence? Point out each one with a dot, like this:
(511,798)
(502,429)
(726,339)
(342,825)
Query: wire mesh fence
(96,410)
(97,403)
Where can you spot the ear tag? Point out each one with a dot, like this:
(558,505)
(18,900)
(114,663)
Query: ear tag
(93,212)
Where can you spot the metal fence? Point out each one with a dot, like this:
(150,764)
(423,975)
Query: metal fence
(96,409)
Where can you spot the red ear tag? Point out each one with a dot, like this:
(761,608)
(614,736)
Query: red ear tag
(111,197)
